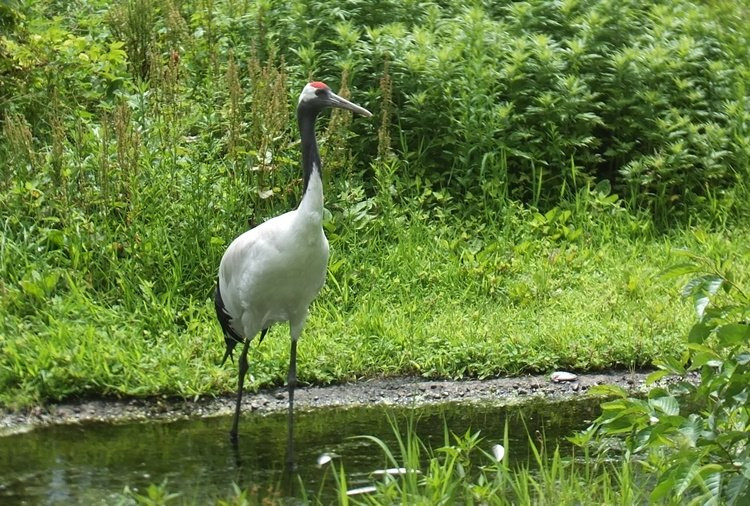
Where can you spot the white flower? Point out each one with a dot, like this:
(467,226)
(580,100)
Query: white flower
(498,452)
(324,458)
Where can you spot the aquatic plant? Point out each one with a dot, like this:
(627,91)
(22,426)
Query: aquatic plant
(469,469)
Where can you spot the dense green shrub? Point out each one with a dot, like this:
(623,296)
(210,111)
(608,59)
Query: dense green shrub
(537,97)
(544,94)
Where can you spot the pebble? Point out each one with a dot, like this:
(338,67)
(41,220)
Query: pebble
(387,392)
(559,376)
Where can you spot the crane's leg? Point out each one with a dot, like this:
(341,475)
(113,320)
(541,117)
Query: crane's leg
(292,382)
(240,383)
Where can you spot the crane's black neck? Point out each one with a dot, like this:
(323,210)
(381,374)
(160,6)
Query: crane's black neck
(306,117)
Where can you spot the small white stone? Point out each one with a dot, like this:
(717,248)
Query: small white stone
(559,376)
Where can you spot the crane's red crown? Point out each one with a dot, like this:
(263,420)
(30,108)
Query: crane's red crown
(318,84)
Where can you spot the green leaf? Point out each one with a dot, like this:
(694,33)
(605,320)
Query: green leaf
(661,489)
(713,283)
(619,404)
(745,469)
(675,271)
(737,490)
(692,287)
(656,376)
(603,187)
(667,405)
(700,302)
(685,475)
(733,333)
(711,474)
(703,358)
(671,364)
(699,333)
(56,237)
(691,429)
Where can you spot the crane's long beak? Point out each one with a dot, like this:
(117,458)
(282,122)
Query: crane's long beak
(342,103)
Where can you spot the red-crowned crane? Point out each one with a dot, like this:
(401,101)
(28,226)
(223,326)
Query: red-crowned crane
(273,272)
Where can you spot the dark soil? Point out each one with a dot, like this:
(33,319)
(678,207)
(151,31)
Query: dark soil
(388,391)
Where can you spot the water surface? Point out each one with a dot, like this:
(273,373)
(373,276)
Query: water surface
(92,463)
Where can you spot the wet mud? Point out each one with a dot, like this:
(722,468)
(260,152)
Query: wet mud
(402,391)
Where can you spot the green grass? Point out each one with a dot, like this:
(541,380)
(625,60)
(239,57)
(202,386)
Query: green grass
(417,300)
(463,472)
(475,224)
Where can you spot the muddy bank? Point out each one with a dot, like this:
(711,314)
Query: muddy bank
(388,391)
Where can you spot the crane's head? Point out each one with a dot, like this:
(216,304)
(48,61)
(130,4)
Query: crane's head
(317,96)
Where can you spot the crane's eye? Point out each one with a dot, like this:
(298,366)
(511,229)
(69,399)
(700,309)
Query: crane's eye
(320,92)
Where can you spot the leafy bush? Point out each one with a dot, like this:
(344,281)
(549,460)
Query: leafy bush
(694,434)
(544,94)
(538,96)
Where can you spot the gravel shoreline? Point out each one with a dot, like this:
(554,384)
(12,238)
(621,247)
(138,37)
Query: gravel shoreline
(403,391)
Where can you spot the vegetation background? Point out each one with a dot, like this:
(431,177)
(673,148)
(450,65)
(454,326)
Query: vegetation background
(530,169)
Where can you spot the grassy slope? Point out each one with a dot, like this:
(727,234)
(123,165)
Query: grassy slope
(402,304)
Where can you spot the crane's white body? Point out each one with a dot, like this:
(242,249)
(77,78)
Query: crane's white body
(273,272)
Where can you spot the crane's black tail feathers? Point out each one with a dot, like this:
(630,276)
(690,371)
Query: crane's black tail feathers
(231,337)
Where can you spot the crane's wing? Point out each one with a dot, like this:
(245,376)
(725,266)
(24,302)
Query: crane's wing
(244,249)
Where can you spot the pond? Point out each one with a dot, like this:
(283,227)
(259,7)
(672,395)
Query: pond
(92,463)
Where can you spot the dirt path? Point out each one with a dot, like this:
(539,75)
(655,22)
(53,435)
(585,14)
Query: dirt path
(389,391)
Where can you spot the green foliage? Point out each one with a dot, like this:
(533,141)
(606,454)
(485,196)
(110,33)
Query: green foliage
(9,14)
(650,98)
(159,495)
(692,433)
(155,495)
(134,23)
(479,224)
